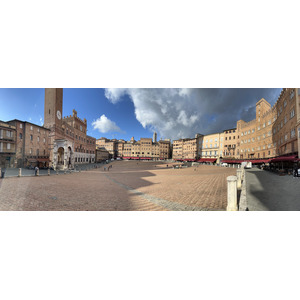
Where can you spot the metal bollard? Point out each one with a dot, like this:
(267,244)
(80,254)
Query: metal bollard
(239,179)
(48,172)
(56,172)
(232,193)
(20,172)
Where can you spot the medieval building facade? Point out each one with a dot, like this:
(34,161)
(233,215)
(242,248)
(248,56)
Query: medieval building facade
(7,145)
(69,143)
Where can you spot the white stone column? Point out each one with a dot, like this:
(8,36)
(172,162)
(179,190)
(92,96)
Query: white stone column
(20,172)
(38,172)
(232,193)
(54,164)
(65,158)
(239,179)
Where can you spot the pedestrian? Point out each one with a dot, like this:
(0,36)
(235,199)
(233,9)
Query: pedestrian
(296,172)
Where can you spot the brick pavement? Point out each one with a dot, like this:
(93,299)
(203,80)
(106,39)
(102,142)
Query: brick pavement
(128,186)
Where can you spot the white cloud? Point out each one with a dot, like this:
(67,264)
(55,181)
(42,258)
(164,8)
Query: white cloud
(181,113)
(104,125)
(114,95)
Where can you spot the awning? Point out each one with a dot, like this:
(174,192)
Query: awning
(126,157)
(211,160)
(146,158)
(187,159)
(232,161)
(261,161)
(285,158)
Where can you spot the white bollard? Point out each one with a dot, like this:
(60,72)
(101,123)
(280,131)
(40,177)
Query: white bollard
(20,172)
(239,179)
(48,172)
(38,172)
(232,193)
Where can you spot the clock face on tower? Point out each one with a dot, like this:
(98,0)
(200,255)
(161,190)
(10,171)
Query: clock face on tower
(58,114)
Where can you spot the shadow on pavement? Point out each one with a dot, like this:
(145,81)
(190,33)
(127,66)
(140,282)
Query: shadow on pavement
(271,192)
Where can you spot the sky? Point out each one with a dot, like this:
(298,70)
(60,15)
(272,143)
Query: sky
(125,113)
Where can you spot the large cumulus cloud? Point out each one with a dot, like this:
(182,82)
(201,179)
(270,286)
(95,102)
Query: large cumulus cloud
(179,113)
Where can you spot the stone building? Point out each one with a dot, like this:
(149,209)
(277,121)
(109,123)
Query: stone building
(69,143)
(32,144)
(102,155)
(187,149)
(273,132)
(212,147)
(143,149)
(230,143)
(109,145)
(165,149)
(7,145)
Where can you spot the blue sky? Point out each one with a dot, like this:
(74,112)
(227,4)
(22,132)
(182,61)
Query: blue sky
(123,113)
(28,105)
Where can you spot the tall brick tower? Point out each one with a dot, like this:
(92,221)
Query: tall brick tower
(53,108)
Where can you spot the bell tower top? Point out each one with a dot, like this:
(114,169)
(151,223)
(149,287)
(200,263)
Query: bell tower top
(53,107)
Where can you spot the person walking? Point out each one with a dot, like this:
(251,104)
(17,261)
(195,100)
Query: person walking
(296,172)
(36,170)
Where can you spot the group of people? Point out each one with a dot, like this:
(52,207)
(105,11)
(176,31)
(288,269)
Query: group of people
(107,168)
